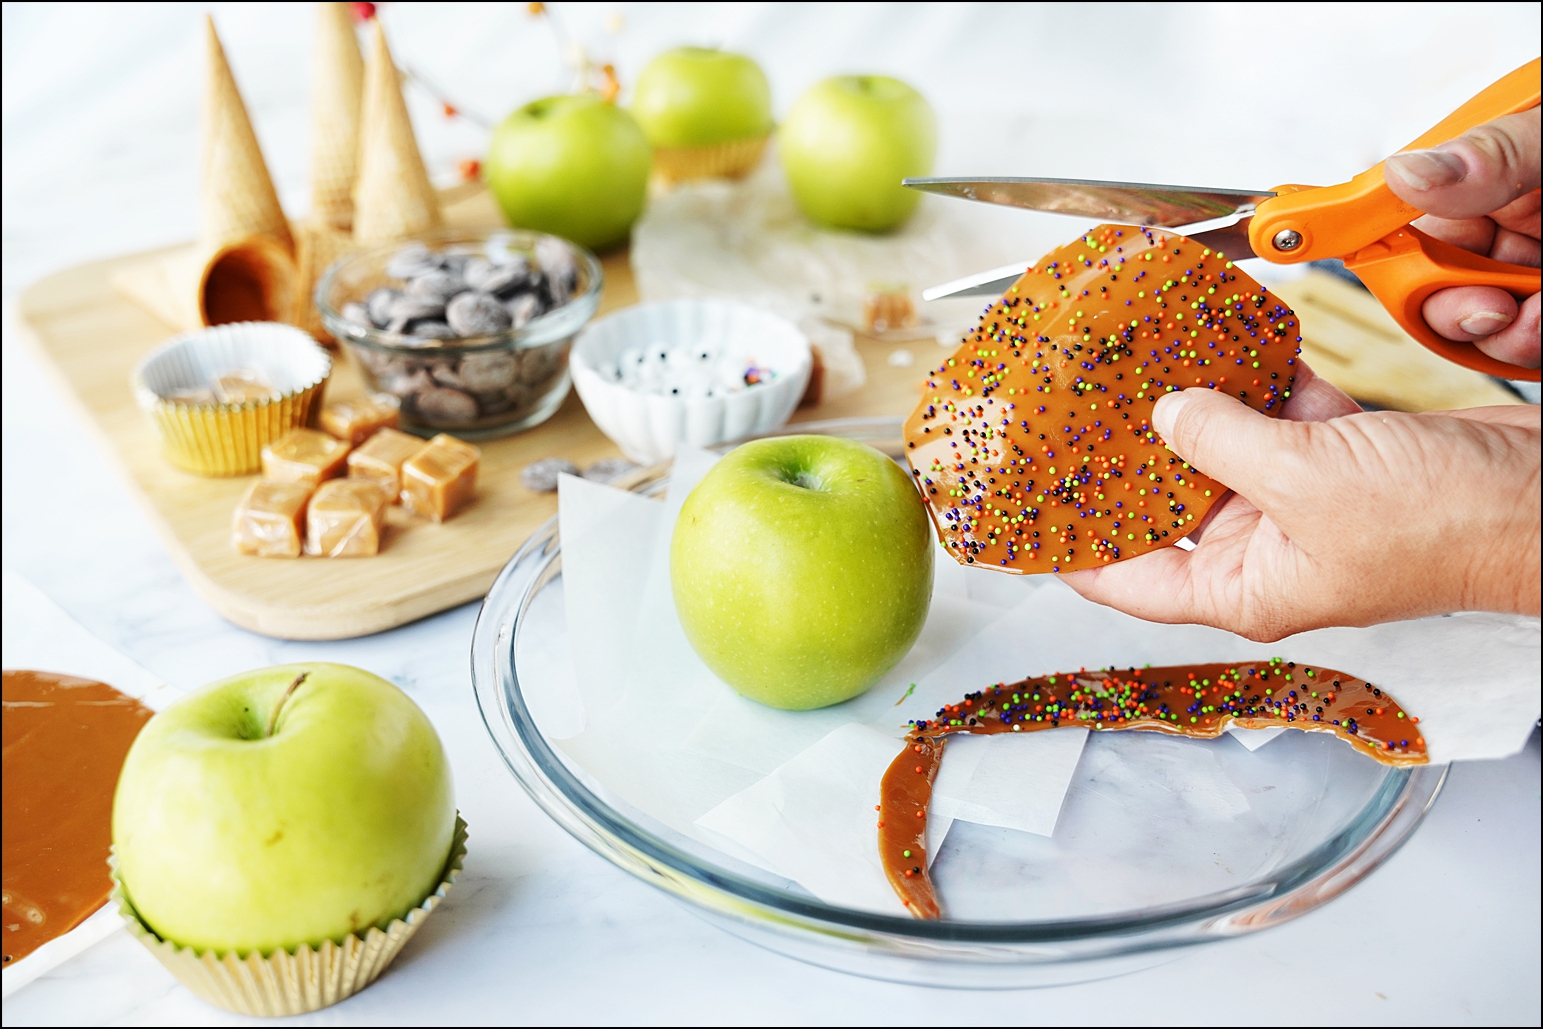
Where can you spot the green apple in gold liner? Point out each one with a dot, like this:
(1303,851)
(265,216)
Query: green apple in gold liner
(848,142)
(575,166)
(288,805)
(802,569)
(693,96)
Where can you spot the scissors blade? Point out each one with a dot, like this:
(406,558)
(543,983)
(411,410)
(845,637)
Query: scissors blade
(1134,203)
(1231,240)
(991,283)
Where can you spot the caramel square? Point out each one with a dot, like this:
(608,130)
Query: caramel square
(381,459)
(270,519)
(345,518)
(441,478)
(355,421)
(243,386)
(304,455)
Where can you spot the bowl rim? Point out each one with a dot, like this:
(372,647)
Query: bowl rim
(551,327)
(596,328)
(1382,825)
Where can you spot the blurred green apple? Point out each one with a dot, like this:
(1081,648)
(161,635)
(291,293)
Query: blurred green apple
(250,816)
(802,569)
(848,142)
(693,96)
(574,166)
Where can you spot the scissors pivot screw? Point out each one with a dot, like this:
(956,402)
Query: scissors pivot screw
(1287,239)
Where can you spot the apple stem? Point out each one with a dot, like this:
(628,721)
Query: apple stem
(273,719)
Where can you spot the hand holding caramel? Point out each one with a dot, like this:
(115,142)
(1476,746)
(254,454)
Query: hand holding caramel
(1343,517)
(1194,700)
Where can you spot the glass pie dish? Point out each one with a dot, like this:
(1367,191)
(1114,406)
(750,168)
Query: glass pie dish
(1135,868)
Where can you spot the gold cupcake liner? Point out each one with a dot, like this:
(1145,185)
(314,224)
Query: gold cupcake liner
(719,161)
(228,439)
(224,439)
(285,983)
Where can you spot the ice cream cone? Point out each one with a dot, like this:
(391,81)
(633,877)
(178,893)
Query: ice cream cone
(393,197)
(317,246)
(237,195)
(337,92)
(242,266)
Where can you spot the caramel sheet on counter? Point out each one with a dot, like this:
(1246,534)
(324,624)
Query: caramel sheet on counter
(65,741)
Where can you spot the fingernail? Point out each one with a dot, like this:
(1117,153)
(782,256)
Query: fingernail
(1426,169)
(1485,323)
(1165,414)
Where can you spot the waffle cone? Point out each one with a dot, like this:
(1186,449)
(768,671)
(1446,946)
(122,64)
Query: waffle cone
(317,246)
(393,197)
(337,92)
(237,194)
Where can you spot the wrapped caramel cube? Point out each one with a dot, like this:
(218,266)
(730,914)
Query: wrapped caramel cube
(243,386)
(345,518)
(270,519)
(355,421)
(381,459)
(441,478)
(304,455)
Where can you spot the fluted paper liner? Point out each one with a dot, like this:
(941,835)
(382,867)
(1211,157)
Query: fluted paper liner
(393,197)
(719,161)
(319,246)
(228,439)
(337,93)
(286,983)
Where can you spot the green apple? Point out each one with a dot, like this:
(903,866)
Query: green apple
(802,569)
(848,142)
(574,166)
(693,96)
(251,816)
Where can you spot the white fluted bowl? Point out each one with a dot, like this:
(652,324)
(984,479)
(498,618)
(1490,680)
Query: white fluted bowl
(649,426)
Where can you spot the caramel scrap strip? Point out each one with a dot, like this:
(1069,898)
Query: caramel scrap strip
(905,796)
(1187,700)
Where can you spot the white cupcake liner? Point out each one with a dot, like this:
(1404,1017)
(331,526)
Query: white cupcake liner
(649,427)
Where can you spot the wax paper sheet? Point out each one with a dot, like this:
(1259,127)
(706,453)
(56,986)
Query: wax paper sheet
(794,792)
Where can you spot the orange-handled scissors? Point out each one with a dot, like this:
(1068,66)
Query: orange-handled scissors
(1360,222)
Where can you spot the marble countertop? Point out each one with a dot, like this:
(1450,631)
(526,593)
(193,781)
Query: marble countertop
(99,154)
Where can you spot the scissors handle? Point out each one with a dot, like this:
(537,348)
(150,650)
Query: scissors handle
(1304,223)
(1406,266)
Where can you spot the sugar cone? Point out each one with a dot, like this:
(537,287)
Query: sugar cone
(238,196)
(393,197)
(242,266)
(337,92)
(317,247)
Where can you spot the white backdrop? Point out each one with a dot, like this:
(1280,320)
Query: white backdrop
(100,101)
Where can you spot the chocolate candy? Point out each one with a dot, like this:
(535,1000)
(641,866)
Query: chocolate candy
(476,314)
(1033,443)
(541,477)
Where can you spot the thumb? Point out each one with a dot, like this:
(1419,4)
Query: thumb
(1477,173)
(1221,436)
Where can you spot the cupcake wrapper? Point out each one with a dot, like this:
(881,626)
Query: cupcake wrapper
(228,439)
(285,983)
(719,161)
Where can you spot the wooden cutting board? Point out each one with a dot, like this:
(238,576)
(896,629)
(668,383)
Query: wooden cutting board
(91,338)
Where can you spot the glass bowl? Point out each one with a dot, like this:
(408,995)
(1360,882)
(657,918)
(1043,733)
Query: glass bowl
(1127,878)
(476,387)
